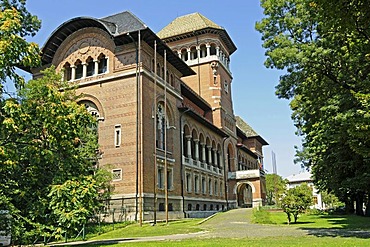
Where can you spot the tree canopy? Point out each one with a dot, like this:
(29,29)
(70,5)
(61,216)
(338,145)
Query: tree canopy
(275,188)
(16,23)
(324,48)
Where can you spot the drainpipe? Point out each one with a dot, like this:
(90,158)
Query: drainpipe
(225,173)
(137,127)
(182,165)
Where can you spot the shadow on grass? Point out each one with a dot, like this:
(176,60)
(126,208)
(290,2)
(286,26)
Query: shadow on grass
(342,226)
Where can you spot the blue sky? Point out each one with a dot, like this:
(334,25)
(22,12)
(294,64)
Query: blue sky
(253,86)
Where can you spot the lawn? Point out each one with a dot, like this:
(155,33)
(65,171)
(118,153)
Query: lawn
(350,222)
(147,230)
(252,242)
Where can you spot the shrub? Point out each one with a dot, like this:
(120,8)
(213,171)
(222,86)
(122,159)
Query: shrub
(261,216)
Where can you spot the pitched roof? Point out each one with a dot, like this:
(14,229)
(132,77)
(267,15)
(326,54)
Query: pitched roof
(125,22)
(300,177)
(186,24)
(244,127)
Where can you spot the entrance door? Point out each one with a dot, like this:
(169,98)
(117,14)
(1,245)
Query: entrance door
(245,196)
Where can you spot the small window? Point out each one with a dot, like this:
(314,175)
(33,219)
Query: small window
(79,69)
(226,86)
(170,207)
(213,49)
(188,182)
(67,75)
(184,55)
(90,67)
(160,178)
(216,188)
(117,135)
(197,207)
(103,64)
(210,186)
(190,207)
(205,207)
(117,174)
(203,185)
(196,184)
(161,206)
(169,180)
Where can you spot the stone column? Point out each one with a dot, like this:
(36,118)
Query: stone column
(179,54)
(96,67)
(208,50)
(215,157)
(198,51)
(203,159)
(84,70)
(188,143)
(217,51)
(209,155)
(73,72)
(189,57)
(196,146)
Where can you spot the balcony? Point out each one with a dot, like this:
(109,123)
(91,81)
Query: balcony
(200,165)
(256,173)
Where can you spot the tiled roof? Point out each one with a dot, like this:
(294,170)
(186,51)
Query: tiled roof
(300,177)
(125,22)
(243,126)
(186,24)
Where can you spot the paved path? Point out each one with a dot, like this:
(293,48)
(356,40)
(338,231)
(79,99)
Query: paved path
(237,224)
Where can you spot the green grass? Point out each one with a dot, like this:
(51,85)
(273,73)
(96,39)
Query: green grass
(276,241)
(351,222)
(134,230)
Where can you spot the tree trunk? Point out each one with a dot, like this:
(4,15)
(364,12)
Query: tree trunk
(295,218)
(359,204)
(349,206)
(289,219)
(367,210)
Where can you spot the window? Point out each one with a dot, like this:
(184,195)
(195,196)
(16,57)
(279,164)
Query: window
(169,180)
(203,51)
(161,125)
(216,188)
(184,55)
(188,182)
(170,207)
(226,86)
(160,178)
(117,174)
(117,135)
(161,206)
(90,67)
(203,185)
(210,186)
(190,207)
(205,207)
(79,69)
(67,75)
(196,183)
(193,53)
(213,49)
(103,64)
(221,189)
(197,207)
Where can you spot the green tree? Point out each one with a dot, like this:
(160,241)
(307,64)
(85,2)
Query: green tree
(324,48)
(16,23)
(330,200)
(296,201)
(46,139)
(275,188)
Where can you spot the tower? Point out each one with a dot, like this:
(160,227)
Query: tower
(206,47)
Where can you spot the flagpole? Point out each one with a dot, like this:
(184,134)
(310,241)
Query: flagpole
(155,133)
(165,135)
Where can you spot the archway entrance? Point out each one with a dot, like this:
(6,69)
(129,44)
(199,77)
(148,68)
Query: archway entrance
(245,196)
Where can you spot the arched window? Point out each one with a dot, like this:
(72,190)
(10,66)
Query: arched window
(158,69)
(90,67)
(193,53)
(213,49)
(184,55)
(103,64)
(91,107)
(79,69)
(203,51)
(161,126)
(67,73)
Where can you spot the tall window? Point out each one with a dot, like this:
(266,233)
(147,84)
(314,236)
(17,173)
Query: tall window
(90,67)
(160,178)
(117,135)
(67,75)
(169,180)
(79,69)
(161,126)
(103,64)
(203,185)
(196,183)
(188,182)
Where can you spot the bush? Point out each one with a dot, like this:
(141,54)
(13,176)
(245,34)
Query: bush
(261,216)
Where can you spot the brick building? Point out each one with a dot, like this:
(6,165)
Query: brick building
(163,103)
